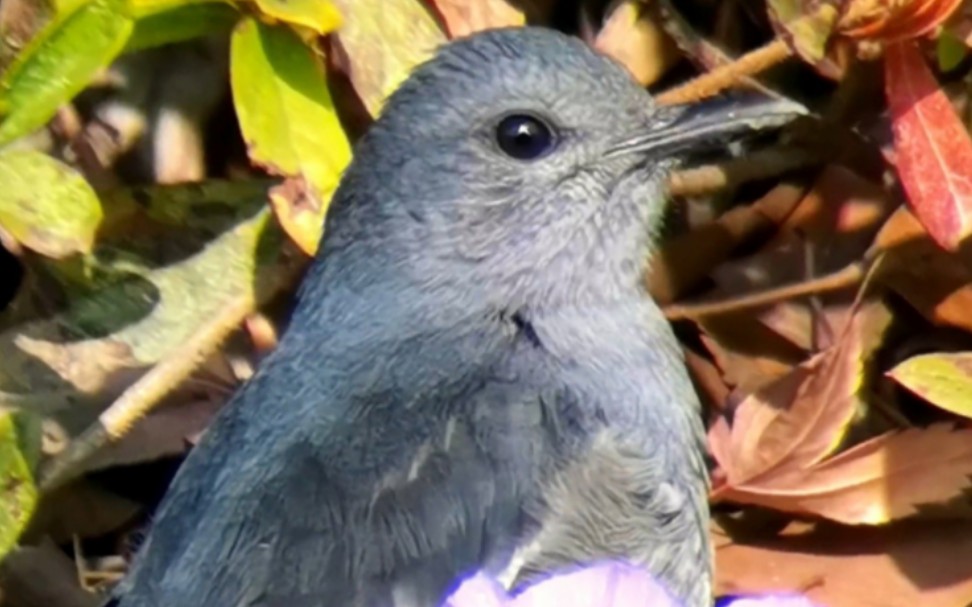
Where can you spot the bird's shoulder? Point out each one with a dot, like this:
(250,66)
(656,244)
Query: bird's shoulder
(366,464)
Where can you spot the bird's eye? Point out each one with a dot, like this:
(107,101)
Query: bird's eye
(525,137)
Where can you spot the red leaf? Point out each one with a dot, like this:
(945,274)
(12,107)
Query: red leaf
(932,147)
(879,480)
(895,21)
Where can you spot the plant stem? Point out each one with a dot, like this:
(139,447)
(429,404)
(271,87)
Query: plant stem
(724,77)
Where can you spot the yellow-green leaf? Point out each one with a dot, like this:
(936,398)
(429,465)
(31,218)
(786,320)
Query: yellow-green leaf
(319,15)
(288,119)
(59,62)
(18,495)
(385,40)
(633,35)
(45,205)
(950,51)
(807,26)
(943,379)
(182,23)
(141,294)
(140,9)
(64,8)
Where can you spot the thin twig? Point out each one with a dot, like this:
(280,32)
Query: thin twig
(139,399)
(841,279)
(700,51)
(762,164)
(721,78)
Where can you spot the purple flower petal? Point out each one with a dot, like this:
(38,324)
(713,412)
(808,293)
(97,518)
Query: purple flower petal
(605,585)
(479,591)
(773,600)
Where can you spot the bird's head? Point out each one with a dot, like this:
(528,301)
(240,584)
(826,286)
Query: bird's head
(523,163)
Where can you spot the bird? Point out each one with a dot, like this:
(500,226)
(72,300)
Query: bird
(474,378)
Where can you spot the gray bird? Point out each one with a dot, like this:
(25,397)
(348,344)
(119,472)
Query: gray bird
(474,378)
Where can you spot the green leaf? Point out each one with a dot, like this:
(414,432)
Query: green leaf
(942,379)
(384,40)
(807,26)
(64,8)
(45,205)
(58,64)
(18,495)
(141,294)
(319,15)
(180,24)
(950,51)
(140,9)
(288,121)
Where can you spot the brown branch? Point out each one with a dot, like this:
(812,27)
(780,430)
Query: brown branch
(759,165)
(139,399)
(700,51)
(721,78)
(841,279)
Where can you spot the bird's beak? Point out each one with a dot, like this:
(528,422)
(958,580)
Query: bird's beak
(676,129)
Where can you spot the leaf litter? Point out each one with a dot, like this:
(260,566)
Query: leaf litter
(799,275)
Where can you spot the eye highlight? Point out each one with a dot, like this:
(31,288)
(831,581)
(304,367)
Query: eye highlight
(525,137)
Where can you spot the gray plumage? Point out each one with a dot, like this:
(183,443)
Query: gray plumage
(474,377)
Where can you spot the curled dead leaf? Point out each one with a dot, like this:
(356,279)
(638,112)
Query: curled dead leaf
(791,425)
(299,211)
(879,480)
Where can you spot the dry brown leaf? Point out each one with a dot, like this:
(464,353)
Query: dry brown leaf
(37,363)
(938,285)
(633,37)
(905,564)
(464,17)
(834,223)
(42,576)
(747,352)
(299,210)
(168,430)
(263,334)
(707,379)
(81,509)
(842,212)
(877,481)
(684,261)
(797,420)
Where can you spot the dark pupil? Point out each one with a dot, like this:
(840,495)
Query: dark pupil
(524,137)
